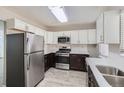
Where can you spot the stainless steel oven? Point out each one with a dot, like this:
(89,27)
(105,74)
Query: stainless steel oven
(62,60)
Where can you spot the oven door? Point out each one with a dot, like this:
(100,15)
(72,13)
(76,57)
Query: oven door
(62,62)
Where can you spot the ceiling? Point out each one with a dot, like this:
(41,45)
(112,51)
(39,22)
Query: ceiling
(79,17)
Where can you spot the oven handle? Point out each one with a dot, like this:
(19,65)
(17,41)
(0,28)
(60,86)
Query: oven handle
(62,55)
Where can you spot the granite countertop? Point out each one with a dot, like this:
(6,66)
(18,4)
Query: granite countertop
(72,52)
(77,52)
(92,62)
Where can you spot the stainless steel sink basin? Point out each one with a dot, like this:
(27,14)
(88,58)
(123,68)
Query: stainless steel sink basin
(107,70)
(114,76)
(114,81)
(110,70)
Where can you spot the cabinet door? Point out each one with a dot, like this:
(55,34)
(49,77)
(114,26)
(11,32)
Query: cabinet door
(122,32)
(99,29)
(66,33)
(83,37)
(74,37)
(49,37)
(20,24)
(112,27)
(16,24)
(39,31)
(55,37)
(92,36)
(77,62)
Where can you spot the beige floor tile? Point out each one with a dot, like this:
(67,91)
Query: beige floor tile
(64,78)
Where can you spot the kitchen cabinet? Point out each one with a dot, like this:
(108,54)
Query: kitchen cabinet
(83,37)
(16,24)
(91,79)
(79,37)
(77,62)
(122,33)
(108,27)
(55,37)
(66,33)
(49,60)
(99,29)
(74,37)
(92,36)
(39,31)
(112,27)
(49,38)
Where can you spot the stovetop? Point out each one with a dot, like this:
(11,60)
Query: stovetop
(64,51)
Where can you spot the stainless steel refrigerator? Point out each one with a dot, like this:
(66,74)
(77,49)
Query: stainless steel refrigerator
(25,59)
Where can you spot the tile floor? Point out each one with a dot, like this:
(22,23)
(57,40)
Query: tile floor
(64,78)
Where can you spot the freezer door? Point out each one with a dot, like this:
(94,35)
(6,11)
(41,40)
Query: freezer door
(34,43)
(35,69)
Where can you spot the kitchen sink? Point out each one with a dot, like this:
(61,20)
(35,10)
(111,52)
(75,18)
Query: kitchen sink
(107,70)
(110,70)
(114,81)
(114,76)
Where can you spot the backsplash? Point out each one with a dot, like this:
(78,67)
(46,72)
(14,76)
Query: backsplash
(84,49)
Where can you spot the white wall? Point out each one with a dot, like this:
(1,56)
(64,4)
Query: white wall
(92,49)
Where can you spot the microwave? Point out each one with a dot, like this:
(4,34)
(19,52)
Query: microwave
(64,39)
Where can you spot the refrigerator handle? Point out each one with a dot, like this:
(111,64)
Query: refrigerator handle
(28,63)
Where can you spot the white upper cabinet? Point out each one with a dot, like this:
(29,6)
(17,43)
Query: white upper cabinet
(99,29)
(55,37)
(92,36)
(66,33)
(74,37)
(122,32)
(49,38)
(83,37)
(30,28)
(112,27)
(22,26)
(16,24)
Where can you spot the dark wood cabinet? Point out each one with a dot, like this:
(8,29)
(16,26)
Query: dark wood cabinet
(77,62)
(49,60)
(91,79)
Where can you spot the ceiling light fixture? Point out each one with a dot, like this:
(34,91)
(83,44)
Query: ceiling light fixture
(58,12)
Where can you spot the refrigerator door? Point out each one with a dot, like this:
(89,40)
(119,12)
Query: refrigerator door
(35,69)
(34,43)
(2,41)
